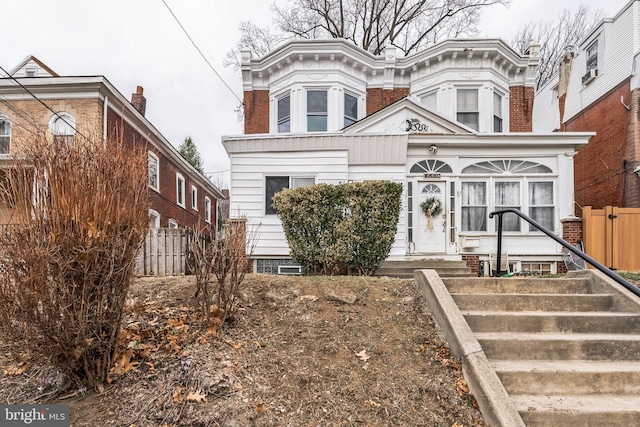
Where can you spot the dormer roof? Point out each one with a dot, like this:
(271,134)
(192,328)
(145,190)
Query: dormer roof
(31,62)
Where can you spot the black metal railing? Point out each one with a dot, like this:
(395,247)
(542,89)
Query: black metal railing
(563,242)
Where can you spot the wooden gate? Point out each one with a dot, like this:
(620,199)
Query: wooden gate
(611,236)
(164,252)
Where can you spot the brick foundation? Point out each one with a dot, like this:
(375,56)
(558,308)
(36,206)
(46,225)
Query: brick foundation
(473,262)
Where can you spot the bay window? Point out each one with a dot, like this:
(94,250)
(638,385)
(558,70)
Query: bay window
(284,114)
(474,206)
(467,111)
(541,204)
(507,195)
(317,111)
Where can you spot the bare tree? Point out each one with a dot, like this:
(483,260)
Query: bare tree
(409,25)
(555,36)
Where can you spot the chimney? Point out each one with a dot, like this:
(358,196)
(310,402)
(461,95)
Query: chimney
(138,100)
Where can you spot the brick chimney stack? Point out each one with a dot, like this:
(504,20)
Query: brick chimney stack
(138,100)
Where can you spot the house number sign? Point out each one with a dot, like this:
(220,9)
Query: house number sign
(432,175)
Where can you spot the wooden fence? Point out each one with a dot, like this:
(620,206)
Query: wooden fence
(611,236)
(164,252)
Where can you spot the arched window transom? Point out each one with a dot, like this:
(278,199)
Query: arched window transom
(506,167)
(431,166)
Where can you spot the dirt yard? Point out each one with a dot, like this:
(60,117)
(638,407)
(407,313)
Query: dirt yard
(303,351)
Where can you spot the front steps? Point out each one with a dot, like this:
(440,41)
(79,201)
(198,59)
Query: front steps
(404,268)
(559,352)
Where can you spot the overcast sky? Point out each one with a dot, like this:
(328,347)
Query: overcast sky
(137,42)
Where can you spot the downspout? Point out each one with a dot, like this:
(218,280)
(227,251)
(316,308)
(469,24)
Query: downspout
(104,121)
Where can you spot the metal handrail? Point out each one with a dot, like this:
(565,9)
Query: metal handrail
(634,289)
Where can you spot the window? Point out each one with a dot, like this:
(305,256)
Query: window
(592,57)
(275,184)
(5,135)
(508,196)
(284,114)
(31,72)
(497,112)
(467,111)
(430,100)
(350,109)
(63,128)
(316,111)
(194,197)
(541,204)
(180,190)
(207,210)
(173,223)
(154,219)
(474,206)
(154,175)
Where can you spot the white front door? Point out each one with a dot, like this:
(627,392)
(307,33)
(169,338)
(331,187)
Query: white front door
(432,232)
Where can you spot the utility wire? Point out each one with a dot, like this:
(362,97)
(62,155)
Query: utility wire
(200,52)
(45,105)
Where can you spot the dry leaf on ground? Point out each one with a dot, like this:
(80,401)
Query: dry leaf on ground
(363,355)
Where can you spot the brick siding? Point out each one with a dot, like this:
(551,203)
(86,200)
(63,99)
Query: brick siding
(256,111)
(521,109)
(473,262)
(378,98)
(600,177)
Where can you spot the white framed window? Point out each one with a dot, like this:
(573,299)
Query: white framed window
(507,195)
(207,209)
(592,56)
(154,171)
(180,190)
(154,219)
(63,128)
(317,110)
(467,111)
(275,184)
(473,206)
(350,109)
(31,72)
(5,135)
(173,223)
(497,112)
(194,197)
(541,205)
(284,113)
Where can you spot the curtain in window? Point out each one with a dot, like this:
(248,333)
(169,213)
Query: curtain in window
(474,206)
(467,111)
(541,204)
(508,196)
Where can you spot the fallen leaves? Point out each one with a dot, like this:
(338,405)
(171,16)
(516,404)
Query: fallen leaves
(462,387)
(363,355)
(198,397)
(16,369)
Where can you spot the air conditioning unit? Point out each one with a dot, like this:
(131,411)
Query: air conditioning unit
(290,270)
(591,74)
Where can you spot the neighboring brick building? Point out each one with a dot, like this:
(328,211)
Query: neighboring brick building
(180,196)
(597,90)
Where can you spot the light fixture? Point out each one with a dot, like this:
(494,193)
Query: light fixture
(433,149)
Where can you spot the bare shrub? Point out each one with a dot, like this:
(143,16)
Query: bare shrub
(80,213)
(224,256)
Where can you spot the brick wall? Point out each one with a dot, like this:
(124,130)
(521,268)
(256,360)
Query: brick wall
(473,262)
(572,230)
(600,165)
(378,98)
(165,200)
(256,111)
(521,108)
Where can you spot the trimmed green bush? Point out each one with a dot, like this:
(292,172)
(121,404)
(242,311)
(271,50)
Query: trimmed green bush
(350,224)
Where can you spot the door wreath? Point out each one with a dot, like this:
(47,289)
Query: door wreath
(431,208)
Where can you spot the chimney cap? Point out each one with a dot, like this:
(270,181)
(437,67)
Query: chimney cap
(139,90)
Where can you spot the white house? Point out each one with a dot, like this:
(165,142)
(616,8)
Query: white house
(453,121)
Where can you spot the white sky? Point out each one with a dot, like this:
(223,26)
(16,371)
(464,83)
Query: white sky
(137,42)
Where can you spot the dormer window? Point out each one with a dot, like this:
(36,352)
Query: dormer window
(350,109)
(31,72)
(316,111)
(284,114)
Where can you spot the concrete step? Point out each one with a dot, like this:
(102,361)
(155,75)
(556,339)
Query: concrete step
(513,285)
(405,269)
(418,264)
(578,410)
(559,346)
(533,302)
(557,377)
(537,321)
(442,271)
